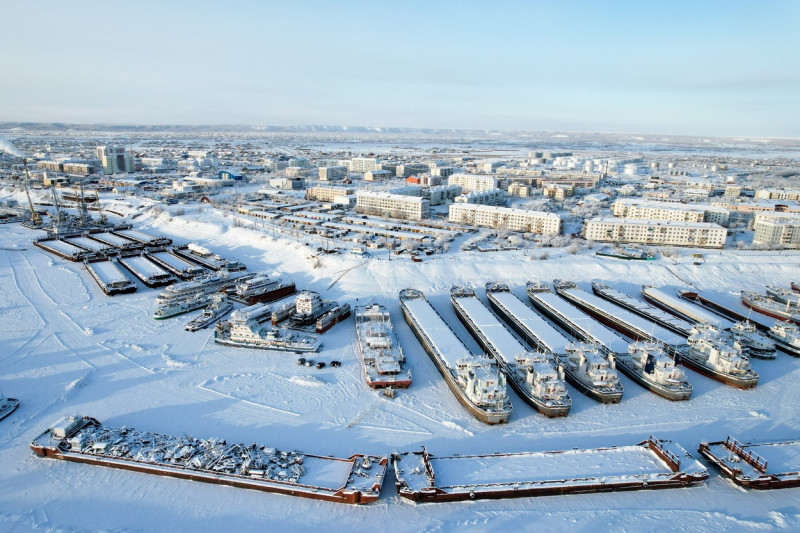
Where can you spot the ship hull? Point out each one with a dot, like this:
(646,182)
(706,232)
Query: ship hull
(267,346)
(11,405)
(591,392)
(700,367)
(665,392)
(268,296)
(786,317)
(481,414)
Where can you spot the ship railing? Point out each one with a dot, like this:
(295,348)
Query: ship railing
(428,467)
(658,447)
(749,456)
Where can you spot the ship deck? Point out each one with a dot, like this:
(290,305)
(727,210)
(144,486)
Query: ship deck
(756,465)
(533,325)
(532,473)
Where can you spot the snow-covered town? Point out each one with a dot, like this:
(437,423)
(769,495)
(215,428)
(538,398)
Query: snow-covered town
(251,282)
(423,266)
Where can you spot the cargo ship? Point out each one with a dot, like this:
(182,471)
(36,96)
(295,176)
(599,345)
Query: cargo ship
(533,375)
(475,381)
(711,353)
(652,464)
(784,296)
(592,373)
(357,479)
(786,337)
(648,365)
(768,306)
(382,358)
(205,284)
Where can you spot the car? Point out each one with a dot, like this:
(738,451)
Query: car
(320,365)
(309,362)
(336,363)
(301,361)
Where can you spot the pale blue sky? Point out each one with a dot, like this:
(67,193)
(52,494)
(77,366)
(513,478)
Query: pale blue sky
(706,68)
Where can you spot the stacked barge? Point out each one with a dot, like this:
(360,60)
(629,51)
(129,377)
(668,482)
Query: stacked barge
(767,465)
(475,381)
(109,277)
(146,271)
(532,375)
(357,479)
(382,359)
(117,242)
(652,464)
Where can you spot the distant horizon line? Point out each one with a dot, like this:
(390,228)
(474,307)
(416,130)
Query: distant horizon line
(323,128)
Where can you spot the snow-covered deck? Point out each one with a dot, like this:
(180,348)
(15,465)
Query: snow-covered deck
(88,244)
(581,324)
(761,465)
(536,326)
(63,247)
(108,272)
(178,263)
(114,240)
(647,328)
(441,337)
(647,309)
(688,309)
(505,345)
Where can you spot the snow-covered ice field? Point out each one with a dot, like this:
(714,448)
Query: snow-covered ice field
(67,348)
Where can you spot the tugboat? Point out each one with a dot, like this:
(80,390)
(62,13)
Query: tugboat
(591,373)
(757,344)
(768,306)
(648,365)
(382,357)
(7,406)
(218,308)
(711,354)
(532,375)
(787,337)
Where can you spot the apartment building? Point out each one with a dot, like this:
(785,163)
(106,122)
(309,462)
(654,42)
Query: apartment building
(779,230)
(696,234)
(473,182)
(392,205)
(672,211)
(505,218)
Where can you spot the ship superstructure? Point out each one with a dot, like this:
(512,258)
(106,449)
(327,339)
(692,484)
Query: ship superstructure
(711,353)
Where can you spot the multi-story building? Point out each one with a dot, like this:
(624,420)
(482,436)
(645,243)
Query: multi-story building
(506,218)
(473,182)
(377,175)
(392,205)
(409,169)
(363,164)
(115,159)
(332,173)
(490,197)
(777,194)
(327,194)
(696,234)
(780,230)
(672,211)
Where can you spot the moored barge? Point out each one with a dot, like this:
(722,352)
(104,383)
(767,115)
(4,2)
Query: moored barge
(652,464)
(109,277)
(765,465)
(357,479)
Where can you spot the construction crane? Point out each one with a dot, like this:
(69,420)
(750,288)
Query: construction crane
(36,219)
